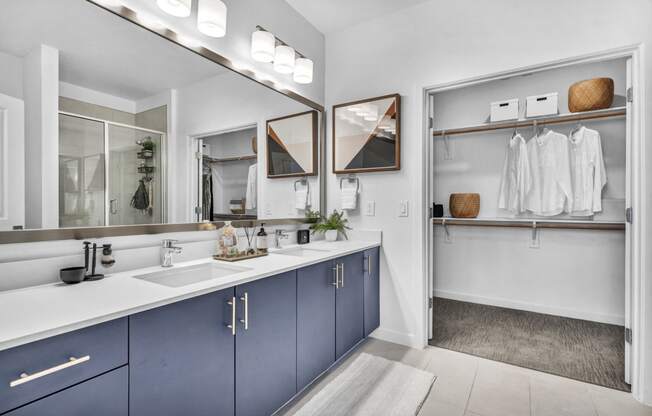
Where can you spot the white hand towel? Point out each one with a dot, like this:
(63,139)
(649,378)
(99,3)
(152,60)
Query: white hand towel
(349,197)
(301,198)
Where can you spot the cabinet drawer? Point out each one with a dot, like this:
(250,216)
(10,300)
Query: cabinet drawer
(49,367)
(106,395)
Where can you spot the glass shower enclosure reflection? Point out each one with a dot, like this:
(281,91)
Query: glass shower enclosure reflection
(109,173)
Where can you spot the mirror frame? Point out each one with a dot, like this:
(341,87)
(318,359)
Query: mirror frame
(315,152)
(397,147)
(81,233)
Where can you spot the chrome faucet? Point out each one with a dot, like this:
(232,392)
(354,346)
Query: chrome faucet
(278,235)
(167,249)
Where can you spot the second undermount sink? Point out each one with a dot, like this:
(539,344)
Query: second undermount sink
(301,252)
(187,275)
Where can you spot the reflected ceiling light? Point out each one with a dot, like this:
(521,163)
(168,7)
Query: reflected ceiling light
(211,18)
(178,8)
(353,109)
(262,46)
(303,70)
(284,59)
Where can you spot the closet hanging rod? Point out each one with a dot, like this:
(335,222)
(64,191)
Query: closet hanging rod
(531,223)
(229,159)
(615,112)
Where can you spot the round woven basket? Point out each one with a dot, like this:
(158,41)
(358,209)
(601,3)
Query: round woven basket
(464,205)
(591,94)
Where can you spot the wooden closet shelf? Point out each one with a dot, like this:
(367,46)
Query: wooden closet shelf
(230,159)
(531,223)
(615,112)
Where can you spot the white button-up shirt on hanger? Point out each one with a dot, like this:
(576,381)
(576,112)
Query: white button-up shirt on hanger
(588,172)
(551,192)
(517,179)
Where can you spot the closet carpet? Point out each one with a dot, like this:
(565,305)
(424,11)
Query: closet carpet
(587,351)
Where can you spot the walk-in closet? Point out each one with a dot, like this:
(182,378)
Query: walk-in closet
(538,276)
(228,171)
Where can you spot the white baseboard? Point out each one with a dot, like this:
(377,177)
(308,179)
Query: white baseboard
(409,340)
(532,307)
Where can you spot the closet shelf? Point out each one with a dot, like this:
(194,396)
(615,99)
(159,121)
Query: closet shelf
(531,223)
(229,159)
(615,112)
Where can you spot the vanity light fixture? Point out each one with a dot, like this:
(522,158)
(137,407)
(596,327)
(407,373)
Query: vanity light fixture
(265,47)
(284,59)
(262,46)
(303,68)
(211,18)
(111,3)
(178,8)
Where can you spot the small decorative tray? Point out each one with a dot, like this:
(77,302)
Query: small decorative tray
(241,256)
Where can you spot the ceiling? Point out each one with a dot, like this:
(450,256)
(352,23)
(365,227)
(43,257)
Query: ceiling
(99,50)
(333,15)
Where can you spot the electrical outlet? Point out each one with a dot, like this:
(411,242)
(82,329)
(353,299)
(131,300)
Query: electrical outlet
(370,208)
(403,208)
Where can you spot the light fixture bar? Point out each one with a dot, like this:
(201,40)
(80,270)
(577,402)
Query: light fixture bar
(280,42)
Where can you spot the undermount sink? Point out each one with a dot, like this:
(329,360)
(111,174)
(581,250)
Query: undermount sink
(300,252)
(187,275)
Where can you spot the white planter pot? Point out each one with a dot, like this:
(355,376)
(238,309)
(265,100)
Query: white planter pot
(331,235)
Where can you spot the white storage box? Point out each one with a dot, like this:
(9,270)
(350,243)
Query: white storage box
(504,110)
(542,105)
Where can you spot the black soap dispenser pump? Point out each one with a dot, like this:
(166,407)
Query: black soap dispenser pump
(261,239)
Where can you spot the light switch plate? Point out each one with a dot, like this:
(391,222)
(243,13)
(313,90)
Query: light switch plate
(268,209)
(403,209)
(370,208)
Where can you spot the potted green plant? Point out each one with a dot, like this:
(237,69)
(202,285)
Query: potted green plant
(332,226)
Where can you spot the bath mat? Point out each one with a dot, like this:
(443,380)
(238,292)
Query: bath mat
(372,386)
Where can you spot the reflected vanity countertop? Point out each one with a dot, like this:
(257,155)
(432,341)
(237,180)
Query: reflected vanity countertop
(39,312)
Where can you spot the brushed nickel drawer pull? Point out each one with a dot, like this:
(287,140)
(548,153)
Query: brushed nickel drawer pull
(342,275)
(245,321)
(25,378)
(231,326)
(336,283)
(369,265)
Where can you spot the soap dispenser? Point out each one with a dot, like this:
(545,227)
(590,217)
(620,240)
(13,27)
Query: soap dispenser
(261,239)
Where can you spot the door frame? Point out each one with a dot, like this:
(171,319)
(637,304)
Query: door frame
(637,170)
(195,145)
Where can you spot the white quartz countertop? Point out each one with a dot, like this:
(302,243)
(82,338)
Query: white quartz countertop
(39,312)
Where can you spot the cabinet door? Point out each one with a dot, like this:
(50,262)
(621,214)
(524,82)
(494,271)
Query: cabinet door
(182,358)
(371,290)
(105,395)
(266,350)
(349,300)
(315,321)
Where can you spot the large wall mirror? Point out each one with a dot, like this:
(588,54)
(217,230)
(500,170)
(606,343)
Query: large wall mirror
(105,123)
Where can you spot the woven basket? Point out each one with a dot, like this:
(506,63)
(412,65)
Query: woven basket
(464,205)
(591,94)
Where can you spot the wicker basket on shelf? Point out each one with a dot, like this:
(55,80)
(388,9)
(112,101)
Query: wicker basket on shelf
(464,205)
(591,94)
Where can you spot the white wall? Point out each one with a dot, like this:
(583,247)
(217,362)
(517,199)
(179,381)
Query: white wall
(243,16)
(41,93)
(227,102)
(11,81)
(438,42)
(90,96)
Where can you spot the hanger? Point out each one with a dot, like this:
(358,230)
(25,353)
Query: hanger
(575,129)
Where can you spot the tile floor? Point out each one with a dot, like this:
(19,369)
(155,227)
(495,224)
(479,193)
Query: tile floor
(472,386)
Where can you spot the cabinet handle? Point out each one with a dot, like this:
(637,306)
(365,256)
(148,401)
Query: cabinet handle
(231,326)
(245,321)
(342,275)
(369,265)
(336,283)
(25,378)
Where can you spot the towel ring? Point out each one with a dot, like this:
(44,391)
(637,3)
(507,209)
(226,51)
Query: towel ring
(351,178)
(302,181)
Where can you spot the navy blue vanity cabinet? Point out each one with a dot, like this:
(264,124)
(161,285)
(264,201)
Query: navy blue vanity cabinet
(266,344)
(349,303)
(315,321)
(371,290)
(31,371)
(182,358)
(105,395)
